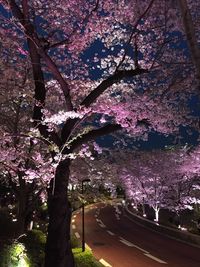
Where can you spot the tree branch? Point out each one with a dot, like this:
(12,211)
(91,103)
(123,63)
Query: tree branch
(116,77)
(40,90)
(34,43)
(134,28)
(91,98)
(190,34)
(84,21)
(109,128)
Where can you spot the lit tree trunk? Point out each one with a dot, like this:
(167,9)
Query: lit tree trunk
(178,219)
(21,214)
(22,204)
(143,208)
(156,214)
(58,247)
(25,212)
(26,205)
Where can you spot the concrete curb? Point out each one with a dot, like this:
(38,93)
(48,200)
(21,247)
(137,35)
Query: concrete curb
(182,236)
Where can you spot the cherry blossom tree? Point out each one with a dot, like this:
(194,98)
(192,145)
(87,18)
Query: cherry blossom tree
(191,162)
(161,179)
(28,178)
(190,182)
(22,165)
(150,175)
(180,195)
(139,79)
(102,172)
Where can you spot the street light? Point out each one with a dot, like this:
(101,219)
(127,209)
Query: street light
(83,219)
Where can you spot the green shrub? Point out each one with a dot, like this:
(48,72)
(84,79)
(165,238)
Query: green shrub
(85,259)
(34,242)
(28,251)
(14,255)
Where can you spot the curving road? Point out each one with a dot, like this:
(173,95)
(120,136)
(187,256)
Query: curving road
(119,242)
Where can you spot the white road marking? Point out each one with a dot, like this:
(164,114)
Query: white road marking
(129,244)
(102,225)
(155,259)
(77,235)
(102,261)
(110,233)
(126,243)
(73,226)
(86,246)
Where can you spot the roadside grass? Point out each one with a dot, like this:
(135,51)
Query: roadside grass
(85,259)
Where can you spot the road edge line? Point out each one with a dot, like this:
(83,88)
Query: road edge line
(105,263)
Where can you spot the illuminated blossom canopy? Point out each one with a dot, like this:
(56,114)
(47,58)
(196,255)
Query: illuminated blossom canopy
(97,67)
(160,178)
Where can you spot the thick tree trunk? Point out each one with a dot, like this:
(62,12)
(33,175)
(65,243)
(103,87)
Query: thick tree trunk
(58,247)
(22,205)
(21,224)
(25,207)
(25,222)
(24,216)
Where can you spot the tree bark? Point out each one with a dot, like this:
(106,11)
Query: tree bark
(22,204)
(58,246)
(25,213)
(190,34)
(21,214)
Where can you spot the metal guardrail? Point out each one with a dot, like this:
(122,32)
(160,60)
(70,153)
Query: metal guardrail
(183,236)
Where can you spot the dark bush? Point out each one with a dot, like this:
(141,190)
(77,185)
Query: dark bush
(8,228)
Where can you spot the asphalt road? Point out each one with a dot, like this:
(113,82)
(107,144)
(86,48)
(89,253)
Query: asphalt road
(119,242)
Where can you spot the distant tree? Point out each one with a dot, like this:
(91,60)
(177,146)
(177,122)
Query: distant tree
(160,179)
(103,173)
(188,188)
(150,174)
